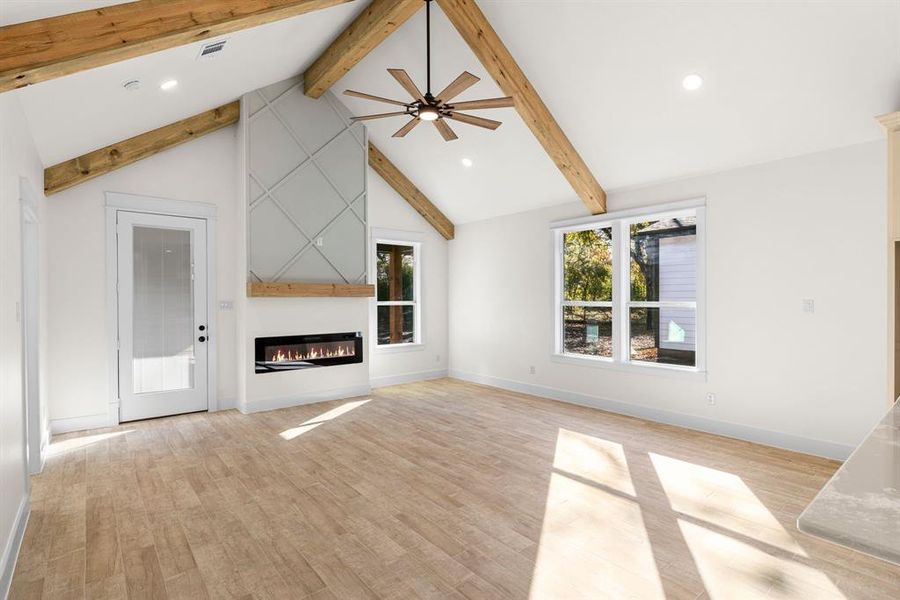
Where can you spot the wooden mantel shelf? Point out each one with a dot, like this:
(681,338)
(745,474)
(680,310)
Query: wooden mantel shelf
(309,290)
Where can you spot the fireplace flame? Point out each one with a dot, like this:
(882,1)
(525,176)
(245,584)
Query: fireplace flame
(312,353)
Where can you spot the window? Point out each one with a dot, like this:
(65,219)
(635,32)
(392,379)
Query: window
(628,288)
(397,281)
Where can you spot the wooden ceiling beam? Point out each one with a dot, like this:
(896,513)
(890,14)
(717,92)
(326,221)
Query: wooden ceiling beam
(379,20)
(409,192)
(99,162)
(44,49)
(475,29)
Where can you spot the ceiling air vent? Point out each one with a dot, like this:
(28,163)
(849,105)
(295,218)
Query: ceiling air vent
(209,49)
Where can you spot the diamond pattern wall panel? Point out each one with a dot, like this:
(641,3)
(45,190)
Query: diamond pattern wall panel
(306,185)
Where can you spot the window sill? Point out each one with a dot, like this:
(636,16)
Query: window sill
(641,369)
(394,348)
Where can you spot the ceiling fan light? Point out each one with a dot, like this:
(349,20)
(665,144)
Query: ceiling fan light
(428,113)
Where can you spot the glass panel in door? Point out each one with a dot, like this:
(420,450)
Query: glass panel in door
(163,318)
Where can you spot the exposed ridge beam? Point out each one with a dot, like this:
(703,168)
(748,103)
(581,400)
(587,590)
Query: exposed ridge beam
(99,162)
(475,29)
(409,192)
(379,20)
(56,46)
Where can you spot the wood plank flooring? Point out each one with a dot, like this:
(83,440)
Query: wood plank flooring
(439,489)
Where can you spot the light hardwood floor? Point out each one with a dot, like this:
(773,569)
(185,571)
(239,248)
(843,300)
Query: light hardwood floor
(438,489)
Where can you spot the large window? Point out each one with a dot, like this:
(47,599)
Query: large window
(396,275)
(628,288)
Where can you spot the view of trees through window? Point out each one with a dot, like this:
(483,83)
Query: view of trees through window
(588,292)
(396,295)
(661,303)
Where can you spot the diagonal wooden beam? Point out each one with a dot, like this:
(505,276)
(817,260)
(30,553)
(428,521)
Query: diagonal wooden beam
(409,192)
(53,47)
(99,162)
(475,29)
(379,20)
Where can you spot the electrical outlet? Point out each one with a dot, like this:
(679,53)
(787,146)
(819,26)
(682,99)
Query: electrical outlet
(531,370)
(437,358)
(711,399)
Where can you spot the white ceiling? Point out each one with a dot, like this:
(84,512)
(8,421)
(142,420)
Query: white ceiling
(781,79)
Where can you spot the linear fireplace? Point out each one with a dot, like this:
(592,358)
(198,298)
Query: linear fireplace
(291,352)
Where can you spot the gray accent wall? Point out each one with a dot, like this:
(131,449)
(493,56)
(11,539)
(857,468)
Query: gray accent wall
(306,183)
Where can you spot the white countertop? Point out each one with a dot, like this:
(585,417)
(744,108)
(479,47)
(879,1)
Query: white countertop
(860,506)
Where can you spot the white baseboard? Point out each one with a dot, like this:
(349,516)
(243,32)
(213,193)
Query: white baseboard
(11,551)
(734,430)
(387,380)
(80,423)
(310,398)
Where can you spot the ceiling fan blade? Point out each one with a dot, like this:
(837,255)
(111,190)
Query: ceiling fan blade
(407,128)
(371,97)
(477,121)
(406,81)
(381,116)
(445,130)
(458,86)
(506,102)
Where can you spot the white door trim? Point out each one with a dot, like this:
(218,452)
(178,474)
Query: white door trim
(115,202)
(37,435)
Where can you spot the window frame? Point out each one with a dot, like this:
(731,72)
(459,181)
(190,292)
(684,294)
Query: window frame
(621,303)
(388,237)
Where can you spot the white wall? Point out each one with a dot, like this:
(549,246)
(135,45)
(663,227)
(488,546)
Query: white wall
(78,367)
(806,227)
(18,158)
(387,210)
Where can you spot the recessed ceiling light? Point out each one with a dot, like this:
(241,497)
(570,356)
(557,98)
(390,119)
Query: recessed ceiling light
(692,82)
(132,86)
(168,84)
(467,162)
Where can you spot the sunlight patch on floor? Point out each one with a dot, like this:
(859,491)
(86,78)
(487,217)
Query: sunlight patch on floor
(593,540)
(311,424)
(593,459)
(76,443)
(734,569)
(721,499)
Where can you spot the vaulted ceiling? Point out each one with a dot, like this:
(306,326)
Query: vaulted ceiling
(781,79)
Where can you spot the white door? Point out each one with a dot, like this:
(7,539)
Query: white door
(163,329)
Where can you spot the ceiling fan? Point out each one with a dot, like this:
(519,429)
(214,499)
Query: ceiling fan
(435,108)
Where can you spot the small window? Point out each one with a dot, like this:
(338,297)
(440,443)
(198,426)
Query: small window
(628,288)
(396,274)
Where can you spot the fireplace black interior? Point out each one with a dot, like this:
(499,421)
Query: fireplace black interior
(291,352)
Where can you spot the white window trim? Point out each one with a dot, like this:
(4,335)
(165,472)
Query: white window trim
(401,238)
(619,221)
